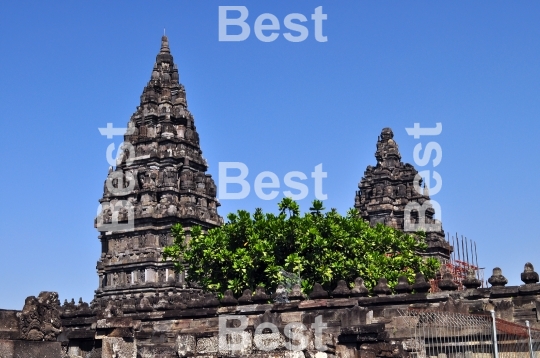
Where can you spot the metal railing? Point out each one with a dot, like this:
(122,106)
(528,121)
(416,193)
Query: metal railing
(455,335)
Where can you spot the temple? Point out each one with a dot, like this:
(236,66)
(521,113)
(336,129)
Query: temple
(142,308)
(159,180)
(389,195)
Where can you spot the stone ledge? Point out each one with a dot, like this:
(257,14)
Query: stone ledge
(255,308)
(474,294)
(30,349)
(117,322)
(529,289)
(80,334)
(280,307)
(362,329)
(226,310)
(190,312)
(313,304)
(397,299)
(439,296)
(342,302)
(507,291)
(79,321)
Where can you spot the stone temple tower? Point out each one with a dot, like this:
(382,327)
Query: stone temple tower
(160,179)
(389,188)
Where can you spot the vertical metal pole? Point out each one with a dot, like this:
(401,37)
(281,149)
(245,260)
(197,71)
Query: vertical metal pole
(531,353)
(494,335)
(467,251)
(448,239)
(457,241)
(477,267)
(472,251)
(453,251)
(462,248)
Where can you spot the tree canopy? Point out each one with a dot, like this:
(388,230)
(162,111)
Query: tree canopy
(324,247)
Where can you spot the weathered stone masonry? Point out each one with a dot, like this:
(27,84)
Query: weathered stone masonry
(187,324)
(387,188)
(168,183)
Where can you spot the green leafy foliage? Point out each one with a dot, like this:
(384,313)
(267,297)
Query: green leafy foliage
(324,247)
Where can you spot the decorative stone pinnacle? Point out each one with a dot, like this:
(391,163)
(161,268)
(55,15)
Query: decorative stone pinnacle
(420,285)
(260,295)
(497,278)
(382,289)
(296,293)
(341,290)
(447,283)
(246,297)
(228,299)
(359,289)
(471,282)
(210,300)
(403,285)
(529,275)
(318,292)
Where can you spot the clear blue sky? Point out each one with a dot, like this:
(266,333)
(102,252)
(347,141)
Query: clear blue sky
(69,67)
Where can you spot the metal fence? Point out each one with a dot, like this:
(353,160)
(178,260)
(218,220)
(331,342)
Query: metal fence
(454,335)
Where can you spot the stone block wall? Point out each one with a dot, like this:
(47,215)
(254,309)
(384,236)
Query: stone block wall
(348,323)
(192,324)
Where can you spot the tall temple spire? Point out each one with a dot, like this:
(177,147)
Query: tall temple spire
(387,189)
(159,180)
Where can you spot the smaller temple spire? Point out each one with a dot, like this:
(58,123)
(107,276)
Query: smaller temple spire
(387,189)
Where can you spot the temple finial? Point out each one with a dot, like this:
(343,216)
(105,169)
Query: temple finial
(387,153)
(164,44)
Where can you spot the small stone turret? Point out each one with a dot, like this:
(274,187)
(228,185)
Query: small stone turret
(497,278)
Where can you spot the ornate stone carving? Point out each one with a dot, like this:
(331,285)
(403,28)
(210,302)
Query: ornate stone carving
(40,317)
